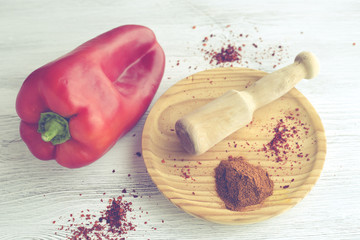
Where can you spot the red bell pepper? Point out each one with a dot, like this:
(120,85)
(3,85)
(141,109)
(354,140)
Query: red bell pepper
(75,108)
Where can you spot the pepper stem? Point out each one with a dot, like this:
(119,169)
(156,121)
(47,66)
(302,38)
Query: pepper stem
(53,128)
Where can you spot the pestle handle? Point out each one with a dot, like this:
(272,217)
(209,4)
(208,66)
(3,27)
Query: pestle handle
(278,83)
(201,129)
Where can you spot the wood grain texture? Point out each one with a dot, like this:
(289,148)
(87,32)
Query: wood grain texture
(34,193)
(188,181)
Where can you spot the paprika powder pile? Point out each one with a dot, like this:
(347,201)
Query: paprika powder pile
(241,184)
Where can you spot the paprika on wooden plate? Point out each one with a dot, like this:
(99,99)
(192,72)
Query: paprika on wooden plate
(285,138)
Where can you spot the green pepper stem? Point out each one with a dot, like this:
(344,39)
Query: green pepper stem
(53,128)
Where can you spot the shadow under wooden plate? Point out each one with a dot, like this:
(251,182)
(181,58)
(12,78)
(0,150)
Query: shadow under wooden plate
(294,159)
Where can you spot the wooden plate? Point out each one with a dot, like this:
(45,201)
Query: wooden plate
(293,162)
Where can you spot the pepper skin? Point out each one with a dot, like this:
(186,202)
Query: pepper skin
(100,90)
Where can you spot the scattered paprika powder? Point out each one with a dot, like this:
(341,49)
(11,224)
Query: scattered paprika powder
(228,54)
(115,222)
(229,48)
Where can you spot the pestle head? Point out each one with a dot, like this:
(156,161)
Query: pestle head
(310,63)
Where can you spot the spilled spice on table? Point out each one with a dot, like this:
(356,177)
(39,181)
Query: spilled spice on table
(115,222)
(228,54)
(229,48)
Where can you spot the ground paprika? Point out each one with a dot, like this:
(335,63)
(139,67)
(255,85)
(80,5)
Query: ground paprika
(241,184)
(75,108)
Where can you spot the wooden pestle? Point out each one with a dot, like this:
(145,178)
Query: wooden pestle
(201,129)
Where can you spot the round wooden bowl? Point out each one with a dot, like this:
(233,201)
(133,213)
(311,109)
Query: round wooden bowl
(188,181)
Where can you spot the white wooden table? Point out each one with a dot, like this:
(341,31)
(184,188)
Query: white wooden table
(37,197)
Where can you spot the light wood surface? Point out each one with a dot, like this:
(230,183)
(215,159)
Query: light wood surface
(188,181)
(34,193)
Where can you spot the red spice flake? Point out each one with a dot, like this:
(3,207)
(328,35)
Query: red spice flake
(162,161)
(193,27)
(354,44)
(228,54)
(185,172)
(279,138)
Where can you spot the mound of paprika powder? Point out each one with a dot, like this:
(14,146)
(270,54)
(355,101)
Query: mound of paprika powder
(75,108)
(241,184)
